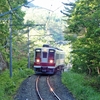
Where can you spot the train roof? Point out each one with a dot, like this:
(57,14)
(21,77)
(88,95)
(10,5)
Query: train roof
(50,47)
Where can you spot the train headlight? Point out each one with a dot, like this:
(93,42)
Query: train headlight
(37,60)
(51,61)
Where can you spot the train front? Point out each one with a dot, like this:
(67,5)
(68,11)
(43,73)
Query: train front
(44,60)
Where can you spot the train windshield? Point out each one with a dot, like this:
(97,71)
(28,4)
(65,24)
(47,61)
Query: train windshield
(51,53)
(38,53)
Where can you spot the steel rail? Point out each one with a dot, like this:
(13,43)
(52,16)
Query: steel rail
(37,89)
(51,89)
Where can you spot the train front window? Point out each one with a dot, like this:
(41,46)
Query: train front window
(51,53)
(38,53)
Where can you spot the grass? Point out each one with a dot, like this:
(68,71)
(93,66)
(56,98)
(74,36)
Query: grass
(9,86)
(81,86)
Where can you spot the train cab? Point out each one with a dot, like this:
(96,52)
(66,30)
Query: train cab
(47,60)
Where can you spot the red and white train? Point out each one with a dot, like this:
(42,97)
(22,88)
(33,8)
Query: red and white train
(48,59)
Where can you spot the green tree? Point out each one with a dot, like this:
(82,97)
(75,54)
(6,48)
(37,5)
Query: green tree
(84,22)
(17,19)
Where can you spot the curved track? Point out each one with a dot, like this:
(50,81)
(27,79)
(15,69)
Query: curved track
(51,89)
(37,88)
(55,96)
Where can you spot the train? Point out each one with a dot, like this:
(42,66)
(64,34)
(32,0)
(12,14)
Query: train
(48,60)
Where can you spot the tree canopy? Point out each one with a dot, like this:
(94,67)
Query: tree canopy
(6,8)
(83,29)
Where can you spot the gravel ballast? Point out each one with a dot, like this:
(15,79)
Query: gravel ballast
(27,89)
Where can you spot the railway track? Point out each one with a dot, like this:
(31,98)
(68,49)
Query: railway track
(37,88)
(51,90)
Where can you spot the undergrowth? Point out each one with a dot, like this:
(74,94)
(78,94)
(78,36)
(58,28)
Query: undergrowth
(81,86)
(9,86)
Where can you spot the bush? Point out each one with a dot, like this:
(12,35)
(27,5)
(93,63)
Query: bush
(9,86)
(80,86)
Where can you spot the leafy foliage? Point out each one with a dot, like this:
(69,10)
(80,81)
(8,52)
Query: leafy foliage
(6,6)
(84,21)
(51,21)
(9,86)
(81,86)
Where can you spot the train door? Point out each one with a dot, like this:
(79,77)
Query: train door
(44,55)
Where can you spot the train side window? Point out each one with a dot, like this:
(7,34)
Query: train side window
(57,56)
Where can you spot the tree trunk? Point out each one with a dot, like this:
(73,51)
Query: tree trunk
(3,64)
(98,70)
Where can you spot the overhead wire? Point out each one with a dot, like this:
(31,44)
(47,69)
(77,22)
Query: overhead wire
(8,12)
(47,22)
(13,12)
(52,11)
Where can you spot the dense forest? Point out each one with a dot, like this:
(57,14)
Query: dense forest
(20,34)
(10,25)
(83,29)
